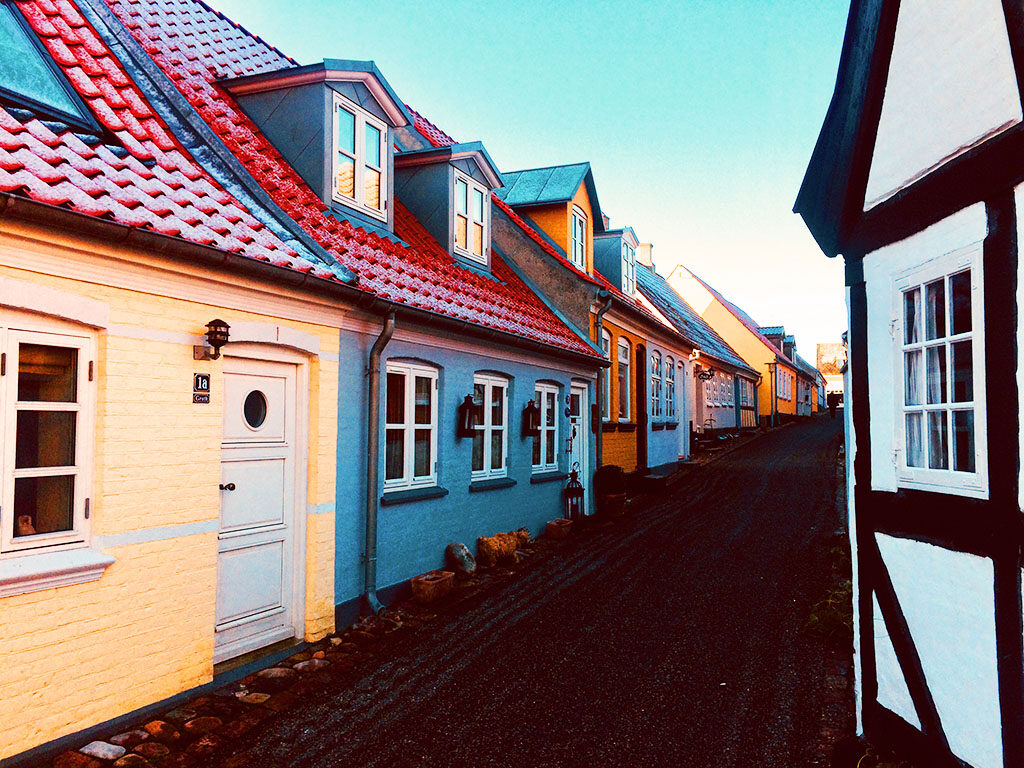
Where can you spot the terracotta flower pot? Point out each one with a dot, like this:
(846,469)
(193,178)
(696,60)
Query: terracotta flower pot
(559,528)
(431,586)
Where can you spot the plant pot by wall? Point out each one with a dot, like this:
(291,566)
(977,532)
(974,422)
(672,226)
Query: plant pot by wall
(431,586)
(559,528)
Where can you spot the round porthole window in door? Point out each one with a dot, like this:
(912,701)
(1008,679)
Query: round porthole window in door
(255,409)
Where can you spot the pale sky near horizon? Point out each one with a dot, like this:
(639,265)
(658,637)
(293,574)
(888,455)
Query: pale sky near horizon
(697,116)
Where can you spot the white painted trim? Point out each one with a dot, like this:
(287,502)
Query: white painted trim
(409,479)
(472,185)
(41,299)
(154,334)
(47,570)
(147,535)
(257,332)
(361,118)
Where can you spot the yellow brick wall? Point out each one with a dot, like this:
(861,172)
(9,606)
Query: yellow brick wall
(79,655)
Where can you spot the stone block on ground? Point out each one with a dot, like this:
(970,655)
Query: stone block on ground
(459,560)
(130,739)
(103,750)
(75,760)
(153,750)
(201,726)
(162,731)
(312,665)
(132,760)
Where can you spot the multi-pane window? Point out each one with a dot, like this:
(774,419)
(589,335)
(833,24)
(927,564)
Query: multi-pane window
(656,384)
(545,443)
(939,385)
(490,436)
(670,388)
(45,395)
(360,158)
(709,394)
(410,426)
(578,250)
(606,348)
(746,392)
(628,269)
(624,352)
(470,218)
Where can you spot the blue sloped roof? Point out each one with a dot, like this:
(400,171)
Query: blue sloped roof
(685,320)
(554,184)
(772,330)
(806,367)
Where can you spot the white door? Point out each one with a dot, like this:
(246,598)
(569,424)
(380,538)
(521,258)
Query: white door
(579,436)
(255,575)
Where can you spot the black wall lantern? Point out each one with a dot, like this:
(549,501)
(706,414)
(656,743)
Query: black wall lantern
(573,493)
(216,337)
(466,417)
(531,419)
(705,374)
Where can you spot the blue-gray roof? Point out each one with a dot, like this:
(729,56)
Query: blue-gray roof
(772,330)
(554,184)
(685,320)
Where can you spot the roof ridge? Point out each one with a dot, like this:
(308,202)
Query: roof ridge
(549,167)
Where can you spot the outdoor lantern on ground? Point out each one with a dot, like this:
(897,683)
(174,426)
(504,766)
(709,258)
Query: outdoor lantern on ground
(574,495)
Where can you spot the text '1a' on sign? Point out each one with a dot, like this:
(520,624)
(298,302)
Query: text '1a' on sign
(201,388)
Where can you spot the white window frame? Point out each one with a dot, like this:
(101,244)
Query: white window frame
(541,391)
(362,118)
(656,363)
(409,479)
(472,185)
(624,345)
(606,347)
(709,391)
(628,269)
(54,334)
(670,387)
(487,427)
(960,483)
(578,246)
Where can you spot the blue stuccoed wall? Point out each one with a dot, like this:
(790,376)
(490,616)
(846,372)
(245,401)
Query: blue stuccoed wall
(412,536)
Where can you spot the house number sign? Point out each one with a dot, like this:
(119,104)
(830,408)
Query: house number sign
(201,388)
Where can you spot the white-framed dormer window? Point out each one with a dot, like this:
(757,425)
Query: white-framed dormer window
(490,438)
(47,396)
(623,382)
(628,269)
(545,444)
(410,428)
(606,403)
(939,338)
(360,159)
(656,385)
(670,388)
(578,244)
(471,223)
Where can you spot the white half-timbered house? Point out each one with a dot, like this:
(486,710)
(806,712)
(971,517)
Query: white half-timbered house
(917,180)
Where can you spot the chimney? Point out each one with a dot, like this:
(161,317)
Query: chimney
(607,222)
(645,255)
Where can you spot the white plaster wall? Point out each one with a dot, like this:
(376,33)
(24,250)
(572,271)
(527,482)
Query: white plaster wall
(880,268)
(948,600)
(951,85)
(893,693)
(1018,195)
(850,438)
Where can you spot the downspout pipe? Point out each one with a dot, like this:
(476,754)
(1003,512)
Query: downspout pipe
(599,389)
(371,603)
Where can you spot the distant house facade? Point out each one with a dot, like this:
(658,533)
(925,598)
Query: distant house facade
(831,361)
(917,180)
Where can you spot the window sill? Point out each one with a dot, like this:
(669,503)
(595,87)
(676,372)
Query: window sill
(627,426)
(46,570)
(609,426)
(413,494)
(478,486)
(548,477)
(672,425)
(657,426)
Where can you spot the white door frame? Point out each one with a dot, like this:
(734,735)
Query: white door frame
(582,388)
(279,354)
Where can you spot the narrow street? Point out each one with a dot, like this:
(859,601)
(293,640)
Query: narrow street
(673,639)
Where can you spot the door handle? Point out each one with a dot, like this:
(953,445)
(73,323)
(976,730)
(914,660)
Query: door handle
(228,487)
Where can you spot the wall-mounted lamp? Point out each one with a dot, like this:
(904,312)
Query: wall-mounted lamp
(531,419)
(706,373)
(466,417)
(216,337)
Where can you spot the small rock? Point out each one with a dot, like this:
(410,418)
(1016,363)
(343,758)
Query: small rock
(281,701)
(130,739)
(163,731)
(236,729)
(458,558)
(201,726)
(319,655)
(276,673)
(101,750)
(301,656)
(153,750)
(348,648)
(180,716)
(254,698)
(312,665)
(336,641)
(207,744)
(131,760)
(75,760)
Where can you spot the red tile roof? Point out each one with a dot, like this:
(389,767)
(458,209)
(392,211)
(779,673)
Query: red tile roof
(154,185)
(195,47)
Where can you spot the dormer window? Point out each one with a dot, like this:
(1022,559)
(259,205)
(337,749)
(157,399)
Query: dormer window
(578,252)
(471,218)
(628,269)
(360,158)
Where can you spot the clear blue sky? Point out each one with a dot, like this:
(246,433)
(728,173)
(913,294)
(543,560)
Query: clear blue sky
(698,116)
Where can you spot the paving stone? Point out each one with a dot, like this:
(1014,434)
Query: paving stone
(132,760)
(312,665)
(180,716)
(236,728)
(254,698)
(163,731)
(153,750)
(206,745)
(319,654)
(336,641)
(130,739)
(279,702)
(101,750)
(276,673)
(75,760)
(300,656)
(201,726)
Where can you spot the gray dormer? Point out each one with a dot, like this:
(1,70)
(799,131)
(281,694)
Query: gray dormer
(615,257)
(333,122)
(448,189)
